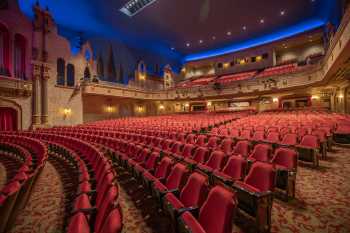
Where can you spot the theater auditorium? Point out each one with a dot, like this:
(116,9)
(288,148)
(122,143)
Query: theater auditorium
(174,116)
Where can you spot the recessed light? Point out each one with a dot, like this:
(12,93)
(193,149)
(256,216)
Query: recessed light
(282,13)
(262,21)
(172,48)
(244,28)
(188,44)
(214,38)
(200,41)
(229,33)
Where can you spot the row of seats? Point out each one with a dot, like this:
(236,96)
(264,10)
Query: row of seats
(94,204)
(139,155)
(31,154)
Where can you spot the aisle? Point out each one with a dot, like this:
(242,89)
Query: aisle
(44,211)
(3,175)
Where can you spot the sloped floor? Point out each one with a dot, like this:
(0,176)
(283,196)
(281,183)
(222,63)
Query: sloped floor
(322,202)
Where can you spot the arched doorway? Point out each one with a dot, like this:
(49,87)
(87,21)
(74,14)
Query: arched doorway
(8,119)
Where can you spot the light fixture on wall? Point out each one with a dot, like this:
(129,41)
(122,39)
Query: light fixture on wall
(187,105)
(315,97)
(340,96)
(161,107)
(67,112)
(275,100)
(209,103)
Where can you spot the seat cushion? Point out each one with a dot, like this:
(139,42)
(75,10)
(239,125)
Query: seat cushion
(173,201)
(84,187)
(78,224)
(191,223)
(82,202)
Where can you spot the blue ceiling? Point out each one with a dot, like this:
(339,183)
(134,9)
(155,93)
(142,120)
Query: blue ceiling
(188,30)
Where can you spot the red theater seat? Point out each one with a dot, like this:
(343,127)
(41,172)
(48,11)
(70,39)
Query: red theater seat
(215,216)
(234,169)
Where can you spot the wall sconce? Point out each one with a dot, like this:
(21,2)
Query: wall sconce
(340,96)
(275,100)
(315,97)
(209,103)
(183,70)
(67,112)
(187,105)
(110,109)
(161,107)
(142,77)
(226,65)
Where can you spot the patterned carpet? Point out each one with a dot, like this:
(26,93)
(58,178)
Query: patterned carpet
(321,205)
(44,211)
(3,176)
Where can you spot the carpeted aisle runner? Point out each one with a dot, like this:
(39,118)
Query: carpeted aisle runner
(3,176)
(44,211)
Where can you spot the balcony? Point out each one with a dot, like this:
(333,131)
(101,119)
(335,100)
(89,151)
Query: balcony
(12,87)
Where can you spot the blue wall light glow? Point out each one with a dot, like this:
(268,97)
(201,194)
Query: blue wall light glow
(282,34)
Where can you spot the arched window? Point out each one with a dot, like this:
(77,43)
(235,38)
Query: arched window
(70,75)
(4,51)
(60,71)
(20,56)
(87,74)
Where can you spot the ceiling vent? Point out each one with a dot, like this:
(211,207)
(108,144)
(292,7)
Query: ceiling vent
(133,7)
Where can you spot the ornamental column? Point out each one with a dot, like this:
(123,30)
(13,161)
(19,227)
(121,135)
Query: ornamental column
(36,95)
(44,96)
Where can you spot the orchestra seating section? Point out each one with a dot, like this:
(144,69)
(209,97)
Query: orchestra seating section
(191,164)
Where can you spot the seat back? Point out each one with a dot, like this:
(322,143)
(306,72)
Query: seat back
(113,222)
(242,148)
(177,176)
(286,157)
(163,169)
(152,160)
(258,136)
(195,190)
(201,140)
(261,176)
(273,137)
(261,152)
(246,134)
(217,212)
(235,167)
(310,141)
(216,160)
(176,148)
(289,139)
(191,139)
(212,142)
(200,154)
(187,151)
(226,146)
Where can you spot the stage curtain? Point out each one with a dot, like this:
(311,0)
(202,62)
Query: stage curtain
(8,119)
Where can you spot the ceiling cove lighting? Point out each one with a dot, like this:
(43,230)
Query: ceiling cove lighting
(265,39)
(133,7)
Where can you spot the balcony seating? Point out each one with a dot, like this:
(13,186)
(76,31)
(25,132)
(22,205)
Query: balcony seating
(254,194)
(215,216)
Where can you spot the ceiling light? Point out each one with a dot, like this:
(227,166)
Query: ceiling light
(200,41)
(188,44)
(262,21)
(282,12)
(214,38)
(172,48)
(133,7)
(229,33)
(244,28)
